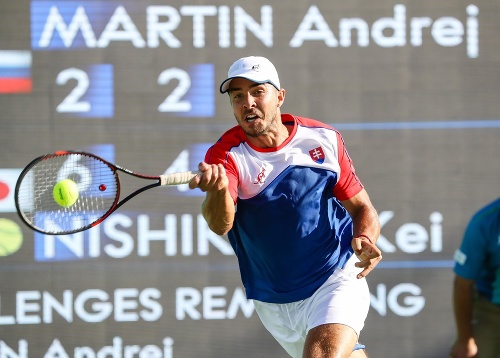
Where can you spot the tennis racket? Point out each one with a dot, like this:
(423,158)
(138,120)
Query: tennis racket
(98,185)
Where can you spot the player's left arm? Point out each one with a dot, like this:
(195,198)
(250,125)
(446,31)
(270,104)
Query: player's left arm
(366,230)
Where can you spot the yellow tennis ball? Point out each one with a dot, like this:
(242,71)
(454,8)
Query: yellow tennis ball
(65,193)
(11,237)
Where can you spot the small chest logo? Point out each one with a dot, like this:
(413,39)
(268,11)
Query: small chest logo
(261,177)
(317,155)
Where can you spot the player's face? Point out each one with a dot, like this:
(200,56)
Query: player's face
(256,106)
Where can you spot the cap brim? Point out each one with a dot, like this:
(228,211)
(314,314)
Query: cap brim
(224,87)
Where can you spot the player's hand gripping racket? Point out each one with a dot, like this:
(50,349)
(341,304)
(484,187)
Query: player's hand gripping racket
(97,190)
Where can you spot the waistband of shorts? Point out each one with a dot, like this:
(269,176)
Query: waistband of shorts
(485,303)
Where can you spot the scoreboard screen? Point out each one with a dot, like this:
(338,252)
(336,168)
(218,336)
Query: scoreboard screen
(413,86)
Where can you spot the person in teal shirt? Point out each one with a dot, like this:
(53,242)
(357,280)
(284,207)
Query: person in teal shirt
(476,289)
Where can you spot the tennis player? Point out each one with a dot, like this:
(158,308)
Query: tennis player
(284,189)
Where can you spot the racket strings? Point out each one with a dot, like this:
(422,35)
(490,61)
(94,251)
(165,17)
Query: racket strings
(97,185)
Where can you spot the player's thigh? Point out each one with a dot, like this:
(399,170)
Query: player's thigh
(276,320)
(343,299)
(330,340)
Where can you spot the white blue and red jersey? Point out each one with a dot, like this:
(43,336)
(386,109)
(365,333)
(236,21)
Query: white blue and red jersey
(290,231)
(478,258)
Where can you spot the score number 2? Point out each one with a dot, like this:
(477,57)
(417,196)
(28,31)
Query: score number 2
(193,95)
(93,94)
(72,103)
(174,102)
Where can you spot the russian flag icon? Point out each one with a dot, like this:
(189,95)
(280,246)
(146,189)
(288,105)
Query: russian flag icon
(15,72)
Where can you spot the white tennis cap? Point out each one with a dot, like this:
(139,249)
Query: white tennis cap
(254,68)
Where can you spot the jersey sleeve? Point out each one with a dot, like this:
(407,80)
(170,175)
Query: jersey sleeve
(348,184)
(470,257)
(217,155)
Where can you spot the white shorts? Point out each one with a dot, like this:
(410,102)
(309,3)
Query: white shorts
(343,299)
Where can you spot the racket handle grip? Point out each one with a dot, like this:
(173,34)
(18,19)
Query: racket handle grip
(177,178)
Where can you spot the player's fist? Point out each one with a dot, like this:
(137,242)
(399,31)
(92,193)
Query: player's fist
(212,177)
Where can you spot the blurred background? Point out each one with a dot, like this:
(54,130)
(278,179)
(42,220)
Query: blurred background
(413,86)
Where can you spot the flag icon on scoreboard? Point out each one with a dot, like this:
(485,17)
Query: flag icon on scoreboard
(15,72)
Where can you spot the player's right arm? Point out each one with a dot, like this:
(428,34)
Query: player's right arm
(218,208)
(463,296)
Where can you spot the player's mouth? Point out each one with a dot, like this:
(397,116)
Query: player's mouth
(250,118)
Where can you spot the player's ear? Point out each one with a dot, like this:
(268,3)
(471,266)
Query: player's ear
(281,96)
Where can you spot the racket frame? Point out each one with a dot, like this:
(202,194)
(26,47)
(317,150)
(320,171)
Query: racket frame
(117,203)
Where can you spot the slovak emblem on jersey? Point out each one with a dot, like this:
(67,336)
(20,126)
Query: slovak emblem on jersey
(317,155)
